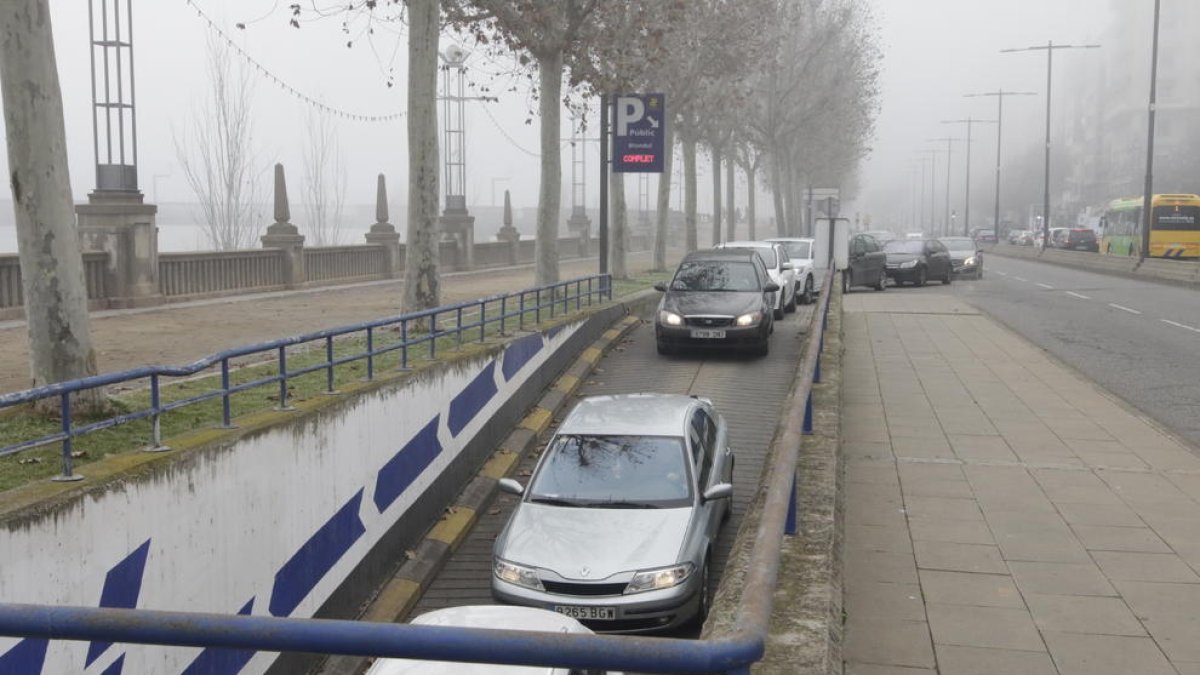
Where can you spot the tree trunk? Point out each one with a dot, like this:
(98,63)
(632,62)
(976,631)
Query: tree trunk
(731,199)
(789,201)
(60,343)
(716,176)
(691,233)
(620,225)
(663,213)
(550,192)
(421,254)
(777,193)
(751,228)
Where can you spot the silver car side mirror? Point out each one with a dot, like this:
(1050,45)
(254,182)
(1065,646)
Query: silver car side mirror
(511,486)
(718,491)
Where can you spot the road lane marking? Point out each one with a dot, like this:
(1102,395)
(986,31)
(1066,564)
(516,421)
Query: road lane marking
(1123,308)
(1046,286)
(1180,325)
(1020,278)
(1073,294)
(1003,274)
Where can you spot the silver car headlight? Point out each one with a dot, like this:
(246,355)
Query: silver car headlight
(969,261)
(670,318)
(658,579)
(909,265)
(750,319)
(517,575)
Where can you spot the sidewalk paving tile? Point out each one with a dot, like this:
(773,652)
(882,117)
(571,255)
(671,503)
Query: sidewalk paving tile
(867,566)
(961,588)
(877,538)
(888,642)
(874,669)
(997,627)
(944,508)
(1116,515)
(1169,612)
(885,600)
(1165,567)
(1060,578)
(955,660)
(1077,654)
(929,471)
(1040,545)
(952,531)
(1108,538)
(988,448)
(955,557)
(1083,614)
(924,447)
(957,489)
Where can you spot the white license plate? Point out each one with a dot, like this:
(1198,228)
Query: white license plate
(702,334)
(587,613)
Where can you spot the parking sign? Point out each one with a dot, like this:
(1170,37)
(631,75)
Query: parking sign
(639,126)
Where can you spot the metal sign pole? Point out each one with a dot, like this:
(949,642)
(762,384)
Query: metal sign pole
(604,103)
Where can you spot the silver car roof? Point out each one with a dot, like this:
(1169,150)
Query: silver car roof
(630,415)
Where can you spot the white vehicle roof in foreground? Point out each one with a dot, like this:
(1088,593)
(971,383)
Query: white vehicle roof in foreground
(481,616)
(748,244)
(629,415)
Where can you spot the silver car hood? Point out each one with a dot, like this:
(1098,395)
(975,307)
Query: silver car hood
(605,541)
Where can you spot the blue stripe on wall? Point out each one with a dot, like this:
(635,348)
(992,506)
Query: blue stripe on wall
(27,656)
(554,330)
(403,468)
(122,585)
(213,661)
(316,557)
(116,667)
(472,399)
(519,353)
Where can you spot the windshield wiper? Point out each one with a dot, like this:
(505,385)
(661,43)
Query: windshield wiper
(625,505)
(551,501)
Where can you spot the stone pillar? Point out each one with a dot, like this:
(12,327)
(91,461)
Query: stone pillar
(458,225)
(117,222)
(509,233)
(581,225)
(384,233)
(282,234)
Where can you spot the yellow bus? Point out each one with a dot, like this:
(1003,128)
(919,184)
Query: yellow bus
(1174,227)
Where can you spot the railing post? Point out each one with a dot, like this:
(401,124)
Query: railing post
(404,344)
(521,314)
(329,360)
(790,526)
(537,309)
(226,412)
(68,468)
(482,320)
(433,335)
(370,353)
(589,280)
(503,313)
(156,444)
(458,329)
(283,404)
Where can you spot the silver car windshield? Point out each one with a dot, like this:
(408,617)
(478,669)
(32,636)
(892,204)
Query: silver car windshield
(798,249)
(914,246)
(613,472)
(959,244)
(715,275)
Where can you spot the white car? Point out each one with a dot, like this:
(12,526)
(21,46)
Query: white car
(800,252)
(487,616)
(779,266)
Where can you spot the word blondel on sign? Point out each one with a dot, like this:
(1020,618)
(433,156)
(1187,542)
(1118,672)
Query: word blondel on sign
(640,125)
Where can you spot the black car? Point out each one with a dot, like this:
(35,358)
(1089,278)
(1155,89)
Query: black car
(918,260)
(965,256)
(867,264)
(1076,239)
(717,298)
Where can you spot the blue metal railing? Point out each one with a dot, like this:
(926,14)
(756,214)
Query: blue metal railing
(458,320)
(731,652)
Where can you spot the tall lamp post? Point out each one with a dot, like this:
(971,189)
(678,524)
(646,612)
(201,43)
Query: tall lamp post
(949,156)
(999,95)
(931,156)
(970,122)
(1148,195)
(1049,48)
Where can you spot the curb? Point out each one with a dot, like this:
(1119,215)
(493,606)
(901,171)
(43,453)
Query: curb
(397,598)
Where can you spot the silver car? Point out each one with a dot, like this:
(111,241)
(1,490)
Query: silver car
(617,526)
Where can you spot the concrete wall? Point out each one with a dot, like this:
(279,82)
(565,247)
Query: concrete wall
(286,521)
(1184,272)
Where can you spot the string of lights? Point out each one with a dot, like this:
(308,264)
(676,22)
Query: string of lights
(510,139)
(299,95)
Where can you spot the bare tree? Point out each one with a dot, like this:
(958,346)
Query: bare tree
(324,181)
(218,156)
(421,283)
(60,344)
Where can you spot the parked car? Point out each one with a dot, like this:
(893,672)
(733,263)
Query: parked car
(914,235)
(1039,237)
(1021,237)
(779,266)
(800,252)
(868,264)
(491,617)
(965,257)
(917,261)
(717,298)
(881,236)
(1075,239)
(985,237)
(619,521)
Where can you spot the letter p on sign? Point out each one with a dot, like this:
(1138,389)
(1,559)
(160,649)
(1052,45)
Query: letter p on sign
(630,110)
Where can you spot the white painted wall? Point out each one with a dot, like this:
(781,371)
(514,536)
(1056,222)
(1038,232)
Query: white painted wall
(220,527)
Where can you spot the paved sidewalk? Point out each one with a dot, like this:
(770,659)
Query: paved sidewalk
(179,333)
(1003,514)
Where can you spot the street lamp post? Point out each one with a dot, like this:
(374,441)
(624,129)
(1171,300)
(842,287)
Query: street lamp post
(1049,48)
(1148,195)
(949,156)
(999,94)
(932,157)
(970,122)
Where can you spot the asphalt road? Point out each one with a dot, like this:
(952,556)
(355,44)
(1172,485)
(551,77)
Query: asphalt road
(1138,339)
